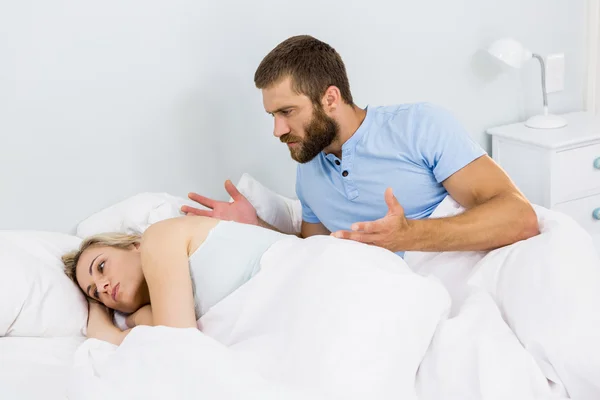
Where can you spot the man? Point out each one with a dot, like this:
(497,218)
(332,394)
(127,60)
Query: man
(374,175)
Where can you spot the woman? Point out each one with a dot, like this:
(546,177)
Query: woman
(181,266)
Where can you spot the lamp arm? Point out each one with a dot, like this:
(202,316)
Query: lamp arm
(543,65)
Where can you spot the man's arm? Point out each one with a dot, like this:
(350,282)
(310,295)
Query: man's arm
(241,210)
(266,225)
(308,229)
(497,214)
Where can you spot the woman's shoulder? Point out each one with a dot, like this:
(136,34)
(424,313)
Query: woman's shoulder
(189,230)
(180,223)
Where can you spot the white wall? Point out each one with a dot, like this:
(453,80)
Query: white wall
(102,100)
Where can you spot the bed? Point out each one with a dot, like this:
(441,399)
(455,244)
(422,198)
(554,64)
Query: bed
(520,322)
(36,367)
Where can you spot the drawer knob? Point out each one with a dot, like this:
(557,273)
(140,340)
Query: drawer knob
(597,163)
(596,213)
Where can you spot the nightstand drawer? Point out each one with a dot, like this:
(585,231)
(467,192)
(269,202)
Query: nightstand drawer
(576,173)
(585,211)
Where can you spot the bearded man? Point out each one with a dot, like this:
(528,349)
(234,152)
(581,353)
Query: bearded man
(376,174)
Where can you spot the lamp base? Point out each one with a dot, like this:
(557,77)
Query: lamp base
(548,121)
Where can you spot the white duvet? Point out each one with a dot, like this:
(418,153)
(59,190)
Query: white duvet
(324,317)
(331,319)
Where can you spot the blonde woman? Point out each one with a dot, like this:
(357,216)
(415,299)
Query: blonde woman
(181,267)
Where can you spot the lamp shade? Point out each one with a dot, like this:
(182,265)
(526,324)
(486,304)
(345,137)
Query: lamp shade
(510,52)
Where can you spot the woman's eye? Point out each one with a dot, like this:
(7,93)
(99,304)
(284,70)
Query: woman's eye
(95,293)
(101,267)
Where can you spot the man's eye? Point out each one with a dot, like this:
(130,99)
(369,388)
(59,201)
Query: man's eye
(286,112)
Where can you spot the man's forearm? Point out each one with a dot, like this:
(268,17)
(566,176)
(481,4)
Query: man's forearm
(500,221)
(271,227)
(263,224)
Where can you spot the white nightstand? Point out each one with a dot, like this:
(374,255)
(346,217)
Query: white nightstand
(557,168)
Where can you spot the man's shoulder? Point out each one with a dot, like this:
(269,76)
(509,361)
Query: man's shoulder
(408,110)
(409,120)
(401,121)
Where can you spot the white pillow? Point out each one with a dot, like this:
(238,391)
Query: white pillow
(281,212)
(38,299)
(135,213)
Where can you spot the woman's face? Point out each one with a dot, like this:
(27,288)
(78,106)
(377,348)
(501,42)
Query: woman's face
(114,277)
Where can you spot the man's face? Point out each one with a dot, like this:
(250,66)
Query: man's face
(302,125)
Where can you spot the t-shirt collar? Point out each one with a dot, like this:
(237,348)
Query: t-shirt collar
(360,132)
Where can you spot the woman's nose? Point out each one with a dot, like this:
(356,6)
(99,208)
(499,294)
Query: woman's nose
(103,286)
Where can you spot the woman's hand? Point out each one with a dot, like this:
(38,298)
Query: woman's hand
(100,325)
(143,316)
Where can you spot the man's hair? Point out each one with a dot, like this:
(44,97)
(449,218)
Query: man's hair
(312,65)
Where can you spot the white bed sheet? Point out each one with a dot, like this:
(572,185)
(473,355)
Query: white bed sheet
(36,368)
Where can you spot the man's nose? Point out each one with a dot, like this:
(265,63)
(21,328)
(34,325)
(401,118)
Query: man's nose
(281,127)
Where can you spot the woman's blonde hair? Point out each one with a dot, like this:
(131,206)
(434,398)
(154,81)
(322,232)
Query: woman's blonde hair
(111,239)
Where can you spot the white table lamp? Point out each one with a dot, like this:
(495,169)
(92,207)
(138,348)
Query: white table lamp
(512,53)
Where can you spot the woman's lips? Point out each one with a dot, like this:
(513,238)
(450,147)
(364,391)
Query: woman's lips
(115,291)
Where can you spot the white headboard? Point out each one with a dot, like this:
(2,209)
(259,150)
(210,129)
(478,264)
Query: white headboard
(103,100)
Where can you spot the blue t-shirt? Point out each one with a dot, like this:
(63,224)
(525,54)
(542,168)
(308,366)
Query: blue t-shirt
(411,148)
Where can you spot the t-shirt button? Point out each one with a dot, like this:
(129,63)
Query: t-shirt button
(337,162)
(345,174)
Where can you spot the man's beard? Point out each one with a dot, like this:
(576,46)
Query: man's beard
(320,132)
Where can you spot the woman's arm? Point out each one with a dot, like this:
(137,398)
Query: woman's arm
(100,325)
(165,251)
(143,316)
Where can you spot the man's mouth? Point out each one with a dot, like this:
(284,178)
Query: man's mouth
(115,291)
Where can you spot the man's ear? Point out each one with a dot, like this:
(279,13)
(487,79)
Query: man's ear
(331,99)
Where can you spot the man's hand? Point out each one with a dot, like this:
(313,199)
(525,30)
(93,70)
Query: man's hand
(392,232)
(240,210)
